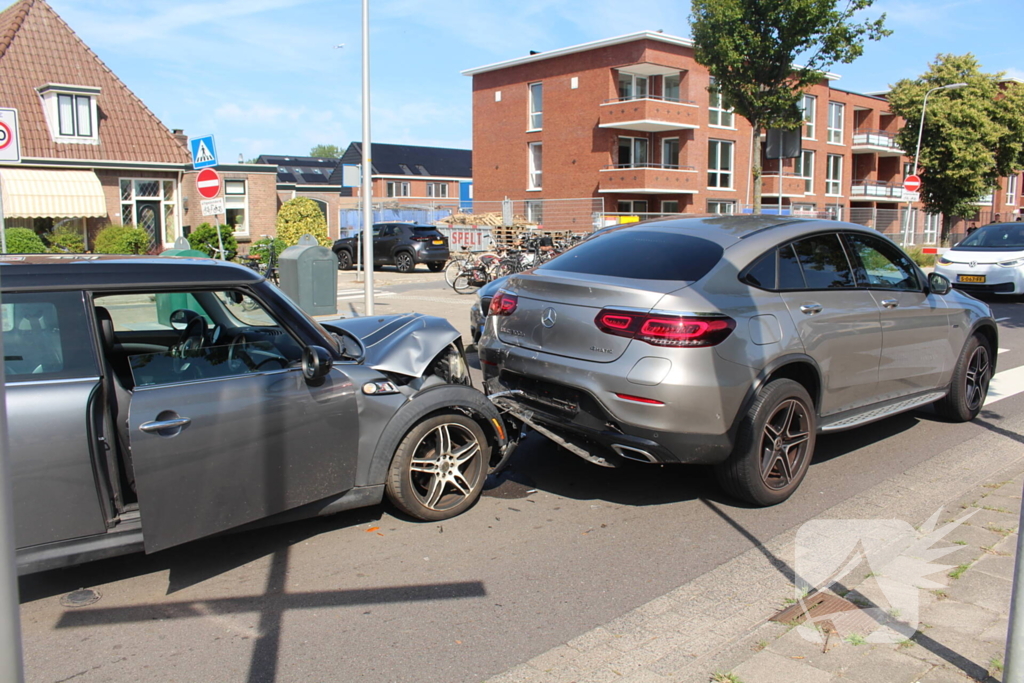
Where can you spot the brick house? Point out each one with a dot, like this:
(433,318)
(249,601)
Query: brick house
(409,173)
(634,120)
(308,177)
(92,153)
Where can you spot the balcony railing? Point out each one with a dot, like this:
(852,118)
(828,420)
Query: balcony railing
(793,185)
(650,164)
(875,138)
(649,114)
(649,178)
(876,188)
(657,98)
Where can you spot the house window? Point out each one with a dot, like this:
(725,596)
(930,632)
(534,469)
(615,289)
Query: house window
(834,175)
(534,211)
(804,167)
(536,165)
(808,104)
(1011,189)
(805,209)
(671,88)
(835,122)
(718,114)
(151,205)
(722,208)
(632,152)
(908,168)
(437,189)
(632,87)
(536,106)
(70,112)
(670,206)
(397,188)
(74,115)
(931,227)
(670,153)
(236,205)
(719,163)
(632,206)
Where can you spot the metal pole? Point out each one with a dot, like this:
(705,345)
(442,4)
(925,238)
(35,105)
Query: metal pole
(10,617)
(367,169)
(1014,658)
(3,225)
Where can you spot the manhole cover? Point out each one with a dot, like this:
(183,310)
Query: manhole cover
(80,598)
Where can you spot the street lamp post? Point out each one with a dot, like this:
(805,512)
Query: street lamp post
(367,169)
(907,235)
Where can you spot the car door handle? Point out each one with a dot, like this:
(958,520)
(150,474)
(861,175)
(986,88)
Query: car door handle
(810,309)
(890,303)
(158,426)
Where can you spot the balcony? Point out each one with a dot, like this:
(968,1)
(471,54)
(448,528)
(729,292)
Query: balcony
(792,185)
(878,142)
(877,190)
(649,179)
(648,114)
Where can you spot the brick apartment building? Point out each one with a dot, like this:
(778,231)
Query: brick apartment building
(92,153)
(633,120)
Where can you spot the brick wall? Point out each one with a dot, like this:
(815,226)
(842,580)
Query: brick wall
(261,193)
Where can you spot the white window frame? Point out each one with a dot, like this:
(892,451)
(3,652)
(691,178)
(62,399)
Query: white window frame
(165,204)
(534,209)
(908,168)
(721,207)
(717,170)
(836,110)
(535,177)
(669,160)
(1011,189)
(809,107)
(536,111)
(718,112)
(804,167)
(83,104)
(679,87)
(932,223)
(237,200)
(634,206)
(398,188)
(437,190)
(834,175)
(634,79)
(670,206)
(634,143)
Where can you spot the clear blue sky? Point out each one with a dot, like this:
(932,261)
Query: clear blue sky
(264,77)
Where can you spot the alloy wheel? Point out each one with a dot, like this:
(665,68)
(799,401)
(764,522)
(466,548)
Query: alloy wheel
(784,444)
(444,463)
(978,375)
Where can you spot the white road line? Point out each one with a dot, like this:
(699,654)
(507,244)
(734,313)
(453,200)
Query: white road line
(1005,384)
(999,320)
(1003,350)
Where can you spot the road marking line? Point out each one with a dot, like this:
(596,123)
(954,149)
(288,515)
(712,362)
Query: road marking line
(999,320)
(1003,350)
(1005,384)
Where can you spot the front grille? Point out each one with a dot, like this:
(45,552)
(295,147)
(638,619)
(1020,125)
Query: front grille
(1002,288)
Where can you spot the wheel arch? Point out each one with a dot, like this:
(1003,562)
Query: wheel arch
(990,332)
(800,368)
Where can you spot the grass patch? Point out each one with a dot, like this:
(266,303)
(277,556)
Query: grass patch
(959,542)
(940,594)
(869,575)
(996,485)
(998,529)
(856,639)
(719,677)
(906,644)
(761,644)
(995,664)
(959,570)
(994,509)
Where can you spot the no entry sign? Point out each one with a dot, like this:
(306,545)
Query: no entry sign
(208,183)
(912,183)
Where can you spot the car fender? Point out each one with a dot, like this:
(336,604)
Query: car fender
(433,400)
(766,372)
(991,331)
(404,344)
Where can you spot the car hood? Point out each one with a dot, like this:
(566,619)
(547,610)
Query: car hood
(405,344)
(982,256)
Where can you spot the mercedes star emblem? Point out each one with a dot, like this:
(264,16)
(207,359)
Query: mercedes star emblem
(548,317)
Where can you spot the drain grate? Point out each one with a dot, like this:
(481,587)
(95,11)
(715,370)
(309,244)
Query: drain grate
(833,613)
(80,598)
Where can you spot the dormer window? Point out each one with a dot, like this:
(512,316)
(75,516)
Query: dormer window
(71,112)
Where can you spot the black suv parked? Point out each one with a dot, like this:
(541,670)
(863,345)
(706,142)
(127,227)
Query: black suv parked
(401,245)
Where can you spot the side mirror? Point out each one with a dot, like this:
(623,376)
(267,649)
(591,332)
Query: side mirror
(939,284)
(180,318)
(316,362)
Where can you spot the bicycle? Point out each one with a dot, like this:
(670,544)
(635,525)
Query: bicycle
(269,269)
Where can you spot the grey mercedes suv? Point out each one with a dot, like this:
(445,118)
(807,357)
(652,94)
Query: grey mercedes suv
(732,341)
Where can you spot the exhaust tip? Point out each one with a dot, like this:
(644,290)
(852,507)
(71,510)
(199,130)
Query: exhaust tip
(636,454)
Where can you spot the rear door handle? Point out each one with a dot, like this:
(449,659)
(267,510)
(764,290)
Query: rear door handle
(810,309)
(890,303)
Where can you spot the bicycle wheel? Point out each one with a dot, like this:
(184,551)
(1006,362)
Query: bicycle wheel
(464,283)
(452,270)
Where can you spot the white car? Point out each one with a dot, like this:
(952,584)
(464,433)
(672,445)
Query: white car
(989,260)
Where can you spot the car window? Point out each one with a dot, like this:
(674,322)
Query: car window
(997,237)
(45,337)
(386,231)
(880,265)
(762,272)
(823,262)
(790,274)
(641,254)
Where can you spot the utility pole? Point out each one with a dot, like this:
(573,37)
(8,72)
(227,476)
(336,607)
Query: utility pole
(367,190)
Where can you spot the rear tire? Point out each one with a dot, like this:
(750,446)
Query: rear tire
(969,387)
(774,446)
(435,266)
(440,467)
(404,262)
(463,284)
(344,260)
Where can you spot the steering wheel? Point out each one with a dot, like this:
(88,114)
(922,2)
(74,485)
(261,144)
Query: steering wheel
(192,338)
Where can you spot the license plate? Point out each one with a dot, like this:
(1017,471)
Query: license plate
(971,278)
(438,241)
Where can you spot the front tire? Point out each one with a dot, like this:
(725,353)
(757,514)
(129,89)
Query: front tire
(404,262)
(439,468)
(344,260)
(969,387)
(435,266)
(774,445)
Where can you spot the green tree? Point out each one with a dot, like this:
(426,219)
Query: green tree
(123,239)
(971,136)
(204,239)
(23,241)
(298,217)
(749,47)
(65,239)
(326,152)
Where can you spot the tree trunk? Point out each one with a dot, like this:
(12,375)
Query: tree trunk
(755,166)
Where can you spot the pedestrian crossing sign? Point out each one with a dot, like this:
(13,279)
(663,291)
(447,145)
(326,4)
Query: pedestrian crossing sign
(204,154)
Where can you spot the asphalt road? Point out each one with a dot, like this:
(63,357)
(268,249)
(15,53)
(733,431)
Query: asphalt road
(554,548)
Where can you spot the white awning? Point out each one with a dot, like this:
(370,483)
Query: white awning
(39,193)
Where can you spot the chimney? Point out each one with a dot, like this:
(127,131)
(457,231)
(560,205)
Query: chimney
(179,135)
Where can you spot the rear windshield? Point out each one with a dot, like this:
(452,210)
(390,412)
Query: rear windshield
(641,254)
(424,230)
(998,237)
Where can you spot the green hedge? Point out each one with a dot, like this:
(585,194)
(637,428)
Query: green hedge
(23,241)
(122,239)
(204,239)
(298,217)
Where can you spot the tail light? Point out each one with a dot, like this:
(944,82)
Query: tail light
(660,329)
(504,303)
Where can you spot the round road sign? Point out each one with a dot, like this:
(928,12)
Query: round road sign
(5,135)
(208,183)
(912,183)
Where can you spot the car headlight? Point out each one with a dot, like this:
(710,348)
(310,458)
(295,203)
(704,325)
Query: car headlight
(944,261)
(1012,263)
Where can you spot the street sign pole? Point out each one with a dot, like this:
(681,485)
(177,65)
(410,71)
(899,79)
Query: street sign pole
(367,169)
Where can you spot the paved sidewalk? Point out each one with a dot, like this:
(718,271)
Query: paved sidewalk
(716,628)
